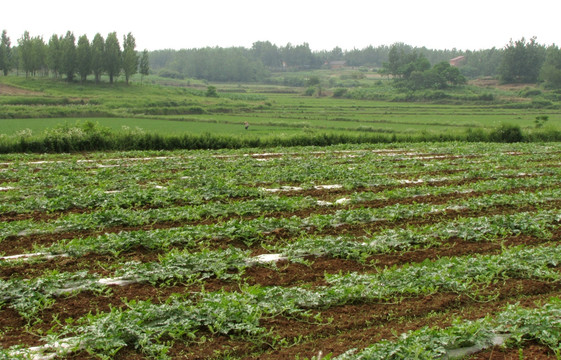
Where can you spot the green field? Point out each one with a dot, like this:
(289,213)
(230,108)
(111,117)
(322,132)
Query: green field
(33,107)
(313,115)
(145,222)
(161,126)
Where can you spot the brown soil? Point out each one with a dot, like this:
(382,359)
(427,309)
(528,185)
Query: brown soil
(531,351)
(12,90)
(358,325)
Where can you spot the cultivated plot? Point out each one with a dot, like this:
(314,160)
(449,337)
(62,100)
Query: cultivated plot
(349,252)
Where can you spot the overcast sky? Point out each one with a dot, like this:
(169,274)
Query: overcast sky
(174,24)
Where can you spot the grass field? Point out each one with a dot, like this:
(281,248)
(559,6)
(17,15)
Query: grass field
(325,116)
(160,126)
(43,104)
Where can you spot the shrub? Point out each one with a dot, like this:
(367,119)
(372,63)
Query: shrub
(310,91)
(507,133)
(541,103)
(171,74)
(339,92)
(486,97)
(528,92)
(211,91)
(476,135)
(435,95)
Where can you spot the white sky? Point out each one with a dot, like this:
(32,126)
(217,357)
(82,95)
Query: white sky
(175,24)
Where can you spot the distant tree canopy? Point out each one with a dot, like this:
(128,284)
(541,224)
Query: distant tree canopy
(235,63)
(68,57)
(256,63)
(399,60)
(413,70)
(522,61)
(551,70)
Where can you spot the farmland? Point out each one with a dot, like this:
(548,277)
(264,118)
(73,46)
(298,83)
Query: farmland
(420,250)
(374,108)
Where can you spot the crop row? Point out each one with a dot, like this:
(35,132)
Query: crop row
(144,325)
(250,231)
(538,224)
(182,222)
(65,197)
(30,296)
(515,325)
(186,265)
(249,171)
(127,217)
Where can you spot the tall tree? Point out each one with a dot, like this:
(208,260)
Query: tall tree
(25,47)
(144,64)
(54,54)
(300,56)
(267,53)
(130,58)
(522,61)
(38,54)
(83,58)
(5,53)
(69,62)
(551,70)
(97,56)
(403,60)
(112,56)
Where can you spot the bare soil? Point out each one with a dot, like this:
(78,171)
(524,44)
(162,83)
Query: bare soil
(12,90)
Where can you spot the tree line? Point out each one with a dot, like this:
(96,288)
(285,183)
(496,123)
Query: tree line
(523,60)
(518,61)
(412,70)
(64,56)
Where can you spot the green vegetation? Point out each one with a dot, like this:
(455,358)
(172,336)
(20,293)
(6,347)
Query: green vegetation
(426,249)
(290,96)
(390,210)
(516,324)
(47,115)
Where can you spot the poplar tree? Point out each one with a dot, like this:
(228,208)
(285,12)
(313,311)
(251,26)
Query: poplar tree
(69,56)
(144,64)
(83,57)
(130,58)
(54,54)
(38,55)
(25,52)
(112,56)
(97,56)
(5,53)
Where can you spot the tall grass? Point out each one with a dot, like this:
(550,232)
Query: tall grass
(91,137)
